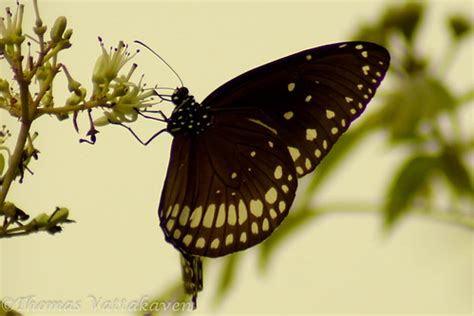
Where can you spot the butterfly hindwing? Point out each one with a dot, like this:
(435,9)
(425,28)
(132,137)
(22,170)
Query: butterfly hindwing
(228,188)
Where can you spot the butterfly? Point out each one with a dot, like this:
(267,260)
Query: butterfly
(236,156)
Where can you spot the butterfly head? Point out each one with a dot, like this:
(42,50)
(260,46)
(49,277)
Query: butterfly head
(180,95)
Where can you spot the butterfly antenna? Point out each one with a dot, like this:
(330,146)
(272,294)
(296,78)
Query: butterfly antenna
(164,61)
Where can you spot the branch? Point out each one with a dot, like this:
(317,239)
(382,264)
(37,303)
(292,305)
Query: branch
(450,217)
(15,159)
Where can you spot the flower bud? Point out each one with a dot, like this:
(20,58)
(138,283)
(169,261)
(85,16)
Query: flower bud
(68,34)
(58,29)
(8,209)
(59,216)
(41,220)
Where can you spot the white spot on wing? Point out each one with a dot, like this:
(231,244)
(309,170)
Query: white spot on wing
(366,69)
(330,114)
(349,99)
(242,212)
(229,239)
(282,206)
(264,125)
(265,225)
(317,153)
(209,216)
(183,218)
(176,234)
(187,239)
(291,86)
(359,47)
(175,210)
(254,228)
(215,243)
(196,217)
(271,195)
(243,237)
(294,152)
(201,242)
(311,134)
(309,57)
(256,207)
(220,216)
(308,98)
(232,215)
(278,173)
(288,115)
(170,225)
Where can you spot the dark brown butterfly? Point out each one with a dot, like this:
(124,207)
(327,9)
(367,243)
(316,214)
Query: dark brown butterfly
(236,156)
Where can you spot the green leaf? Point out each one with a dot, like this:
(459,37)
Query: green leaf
(459,25)
(418,99)
(411,178)
(404,19)
(227,277)
(456,172)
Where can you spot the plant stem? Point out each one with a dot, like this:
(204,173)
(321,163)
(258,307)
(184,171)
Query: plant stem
(449,217)
(15,159)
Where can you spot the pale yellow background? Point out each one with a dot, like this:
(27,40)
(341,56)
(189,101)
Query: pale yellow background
(339,264)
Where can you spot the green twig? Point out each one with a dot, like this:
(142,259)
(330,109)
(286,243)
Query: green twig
(450,217)
(15,159)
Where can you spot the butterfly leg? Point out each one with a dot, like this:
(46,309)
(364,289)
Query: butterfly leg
(144,143)
(162,119)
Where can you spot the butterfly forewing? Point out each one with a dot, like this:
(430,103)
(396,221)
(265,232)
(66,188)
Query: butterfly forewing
(230,185)
(238,185)
(310,97)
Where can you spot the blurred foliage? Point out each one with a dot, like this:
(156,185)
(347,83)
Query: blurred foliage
(419,113)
